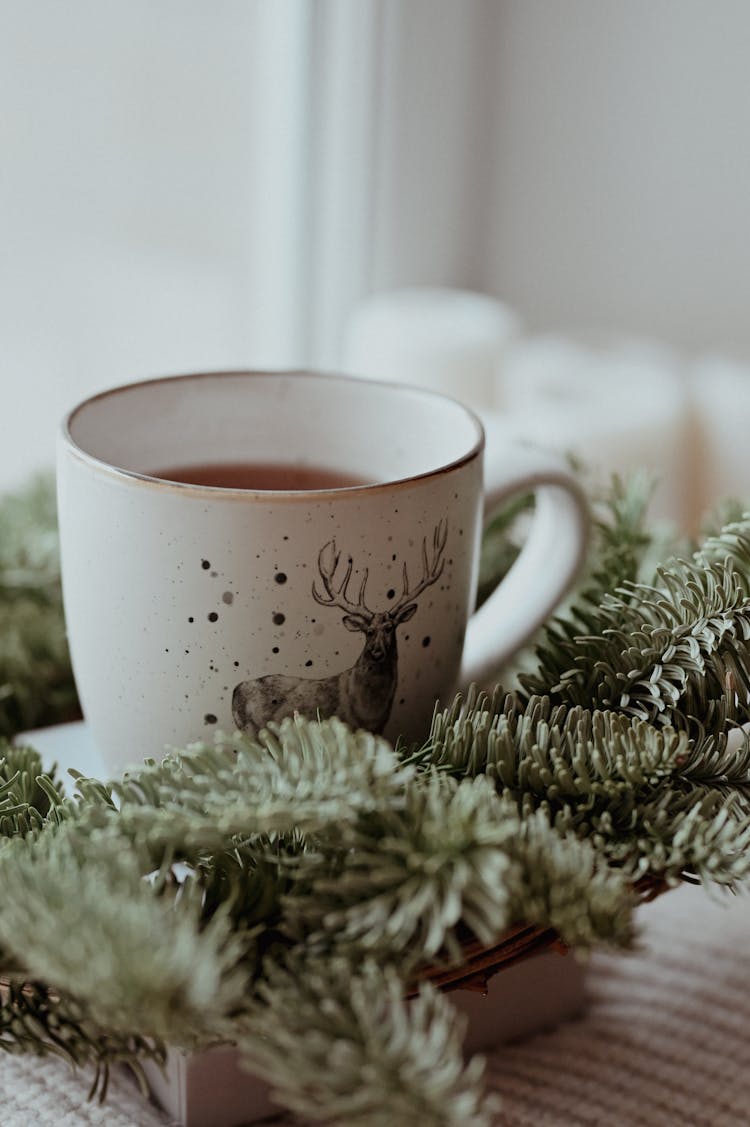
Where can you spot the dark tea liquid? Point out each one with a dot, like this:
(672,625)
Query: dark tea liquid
(260,475)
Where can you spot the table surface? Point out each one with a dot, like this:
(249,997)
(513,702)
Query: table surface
(665,1038)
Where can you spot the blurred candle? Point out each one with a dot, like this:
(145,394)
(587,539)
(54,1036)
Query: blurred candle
(453,341)
(617,406)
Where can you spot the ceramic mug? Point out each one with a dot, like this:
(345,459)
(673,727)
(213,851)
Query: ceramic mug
(345,588)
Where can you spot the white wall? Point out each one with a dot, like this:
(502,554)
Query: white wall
(132,152)
(621,188)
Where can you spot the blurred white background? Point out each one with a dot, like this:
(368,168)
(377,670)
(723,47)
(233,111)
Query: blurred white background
(205,183)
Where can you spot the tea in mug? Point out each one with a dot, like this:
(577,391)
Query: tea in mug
(279,476)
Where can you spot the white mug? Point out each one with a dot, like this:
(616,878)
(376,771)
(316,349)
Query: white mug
(344,589)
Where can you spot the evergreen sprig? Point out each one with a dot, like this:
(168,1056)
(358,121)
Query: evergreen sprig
(671,647)
(35,1019)
(286,892)
(27,794)
(627,785)
(36,680)
(137,959)
(352,1050)
(297,777)
(409,881)
(171,953)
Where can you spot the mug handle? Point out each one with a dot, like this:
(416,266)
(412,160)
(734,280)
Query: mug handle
(549,561)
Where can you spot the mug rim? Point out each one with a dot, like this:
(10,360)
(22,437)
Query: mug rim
(185,488)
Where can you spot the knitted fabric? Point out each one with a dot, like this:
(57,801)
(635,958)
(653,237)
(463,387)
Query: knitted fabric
(665,1041)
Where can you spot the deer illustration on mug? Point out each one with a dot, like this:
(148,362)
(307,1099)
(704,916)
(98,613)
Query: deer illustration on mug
(361,695)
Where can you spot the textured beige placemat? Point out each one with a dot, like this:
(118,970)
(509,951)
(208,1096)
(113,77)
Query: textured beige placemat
(666,1038)
(665,1042)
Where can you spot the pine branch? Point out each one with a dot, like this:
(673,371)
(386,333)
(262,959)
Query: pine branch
(399,865)
(408,882)
(621,546)
(34,1019)
(671,651)
(554,873)
(140,960)
(341,1045)
(622,541)
(499,548)
(298,776)
(27,794)
(243,890)
(731,543)
(400,880)
(36,680)
(720,758)
(623,784)
(667,651)
(700,835)
(554,753)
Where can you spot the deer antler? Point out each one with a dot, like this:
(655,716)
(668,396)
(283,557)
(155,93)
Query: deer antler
(328,561)
(432,569)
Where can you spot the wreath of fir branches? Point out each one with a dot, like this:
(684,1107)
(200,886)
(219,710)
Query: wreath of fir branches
(293,894)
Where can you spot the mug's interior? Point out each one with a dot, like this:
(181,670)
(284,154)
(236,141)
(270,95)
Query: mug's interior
(371,430)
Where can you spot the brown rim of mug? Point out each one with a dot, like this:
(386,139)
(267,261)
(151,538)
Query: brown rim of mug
(295,373)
